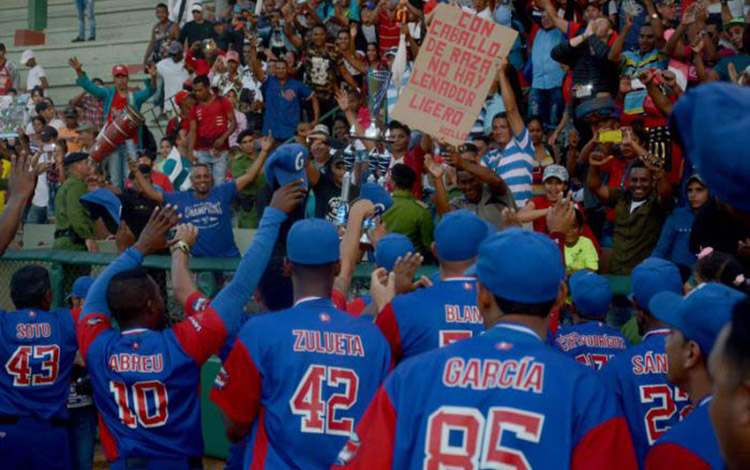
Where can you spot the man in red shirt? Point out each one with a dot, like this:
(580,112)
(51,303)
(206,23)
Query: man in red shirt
(212,121)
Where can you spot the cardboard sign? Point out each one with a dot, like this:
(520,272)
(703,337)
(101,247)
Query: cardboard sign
(452,74)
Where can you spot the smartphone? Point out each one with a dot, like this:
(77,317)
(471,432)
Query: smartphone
(613,137)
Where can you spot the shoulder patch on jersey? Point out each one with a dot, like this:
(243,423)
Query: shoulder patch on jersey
(503,346)
(221,379)
(32,314)
(324,317)
(349,450)
(93,321)
(200,304)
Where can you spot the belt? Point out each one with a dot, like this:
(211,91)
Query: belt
(70,233)
(56,422)
(141,463)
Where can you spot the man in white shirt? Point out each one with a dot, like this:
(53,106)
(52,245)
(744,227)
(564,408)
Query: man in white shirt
(172,72)
(37,76)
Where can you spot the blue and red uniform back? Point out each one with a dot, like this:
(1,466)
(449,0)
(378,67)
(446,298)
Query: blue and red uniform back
(500,400)
(37,349)
(651,404)
(303,377)
(146,382)
(430,318)
(591,343)
(690,445)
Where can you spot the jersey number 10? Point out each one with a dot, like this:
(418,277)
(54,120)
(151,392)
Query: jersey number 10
(133,405)
(318,416)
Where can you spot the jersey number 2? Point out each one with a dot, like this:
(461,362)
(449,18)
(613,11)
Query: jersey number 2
(319,416)
(657,415)
(18,365)
(477,439)
(133,405)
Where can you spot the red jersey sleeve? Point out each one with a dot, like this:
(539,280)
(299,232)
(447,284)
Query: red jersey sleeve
(670,455)
(339,300)
(372,446)
(237,387)
(201,335)
(608,445)
(88,329)
(386,321)
(195,303)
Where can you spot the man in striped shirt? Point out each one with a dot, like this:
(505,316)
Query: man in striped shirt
(513,160)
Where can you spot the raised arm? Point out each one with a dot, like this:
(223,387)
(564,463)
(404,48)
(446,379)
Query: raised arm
(594,180)
(441,194)
(343,103)
(509,98)
(561,24)
(496,184)
(293,38)
(148,189)
(254,170)
(20,190)
(616,51)
(349,249)
(83,80)
(183,285)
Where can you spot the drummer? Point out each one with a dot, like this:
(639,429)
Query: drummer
(115,100)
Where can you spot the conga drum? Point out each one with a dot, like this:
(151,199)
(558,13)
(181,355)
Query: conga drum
(123,127)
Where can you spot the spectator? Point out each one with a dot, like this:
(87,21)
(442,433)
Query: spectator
(40,212)
(513,158)
(10,79)
(185,102)
(674,241)
(580,252)
(82,6)
(74,229)
(162,36)
(177,164)
(70,132)
(93,107)
(172,72)
(137,208)
(545,99)
(715,266)
(739,62)
(409,216)
(247,160)
(230,78)
(327,185)
(48,113)
(115,100)
(483,192)
(37,77)
(87,133)
(555,180)
(197,30)
(180,11)
(227,39)
(212,121)
(648,56)
(145,164)
(544,155)
(283,97)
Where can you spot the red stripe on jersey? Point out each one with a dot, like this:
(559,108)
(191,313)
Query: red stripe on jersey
(608,445)
(108,441)
(201,335)
(386,321)
(88,329)
(238,386)
(375,436)
(671,455)
(260,449)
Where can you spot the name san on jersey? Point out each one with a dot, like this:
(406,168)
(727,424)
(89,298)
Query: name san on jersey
(649,363)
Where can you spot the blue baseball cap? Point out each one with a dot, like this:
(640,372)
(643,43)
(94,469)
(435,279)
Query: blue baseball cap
(521,266)
(711,124)
(390,247)
(652,276)
(458,236)
(286,164)
(701,315)
(592,294)
(81,287)
(103,203)
(312,241)
(376,194)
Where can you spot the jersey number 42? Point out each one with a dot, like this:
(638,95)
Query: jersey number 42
(319,415)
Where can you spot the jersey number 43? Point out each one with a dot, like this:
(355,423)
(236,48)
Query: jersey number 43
(319,415)
(19,365)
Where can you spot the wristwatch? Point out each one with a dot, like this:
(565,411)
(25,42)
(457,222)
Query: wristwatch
(181,246)
(655,16)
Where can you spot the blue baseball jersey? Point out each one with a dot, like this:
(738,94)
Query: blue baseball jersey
(37,349)
(302,377)
(650,403)
(502,399)
(689,445)
(146,382)
(430,318)
(591,343)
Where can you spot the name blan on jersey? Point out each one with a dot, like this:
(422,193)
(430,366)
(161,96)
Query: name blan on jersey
(327,342)
(525,375)
(649,363)
(130,362)
(33,330)
(467,314)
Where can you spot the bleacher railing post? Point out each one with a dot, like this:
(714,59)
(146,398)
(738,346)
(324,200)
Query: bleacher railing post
(37,15)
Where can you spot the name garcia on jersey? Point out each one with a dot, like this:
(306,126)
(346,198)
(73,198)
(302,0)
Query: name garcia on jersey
(327,342)
(483,374)
(649,363)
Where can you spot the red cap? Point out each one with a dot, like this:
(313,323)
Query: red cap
(181,95)
(119,69)
(232,55)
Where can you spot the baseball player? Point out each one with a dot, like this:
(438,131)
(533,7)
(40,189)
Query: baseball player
(145,376)
(299,380)
(695,325)
(502,399)
(589,341)
(37,348)
(638,375)
(446,312)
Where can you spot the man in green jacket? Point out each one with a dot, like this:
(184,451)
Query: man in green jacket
(115,100)
(408,215)
(247,215)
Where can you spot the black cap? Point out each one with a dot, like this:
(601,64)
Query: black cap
(75,157)
(41,107)
(49,133)
(468,147)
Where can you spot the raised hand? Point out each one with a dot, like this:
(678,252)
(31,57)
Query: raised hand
(599,159)
(289,196)
(154,235)
(382,288)
(435,169)
(405,269)
(187,233)
(22,177)
(561,216)
(75,63)
(510,218)
(266,143)
(124,237)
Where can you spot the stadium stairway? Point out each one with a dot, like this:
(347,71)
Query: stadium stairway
(123,31)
